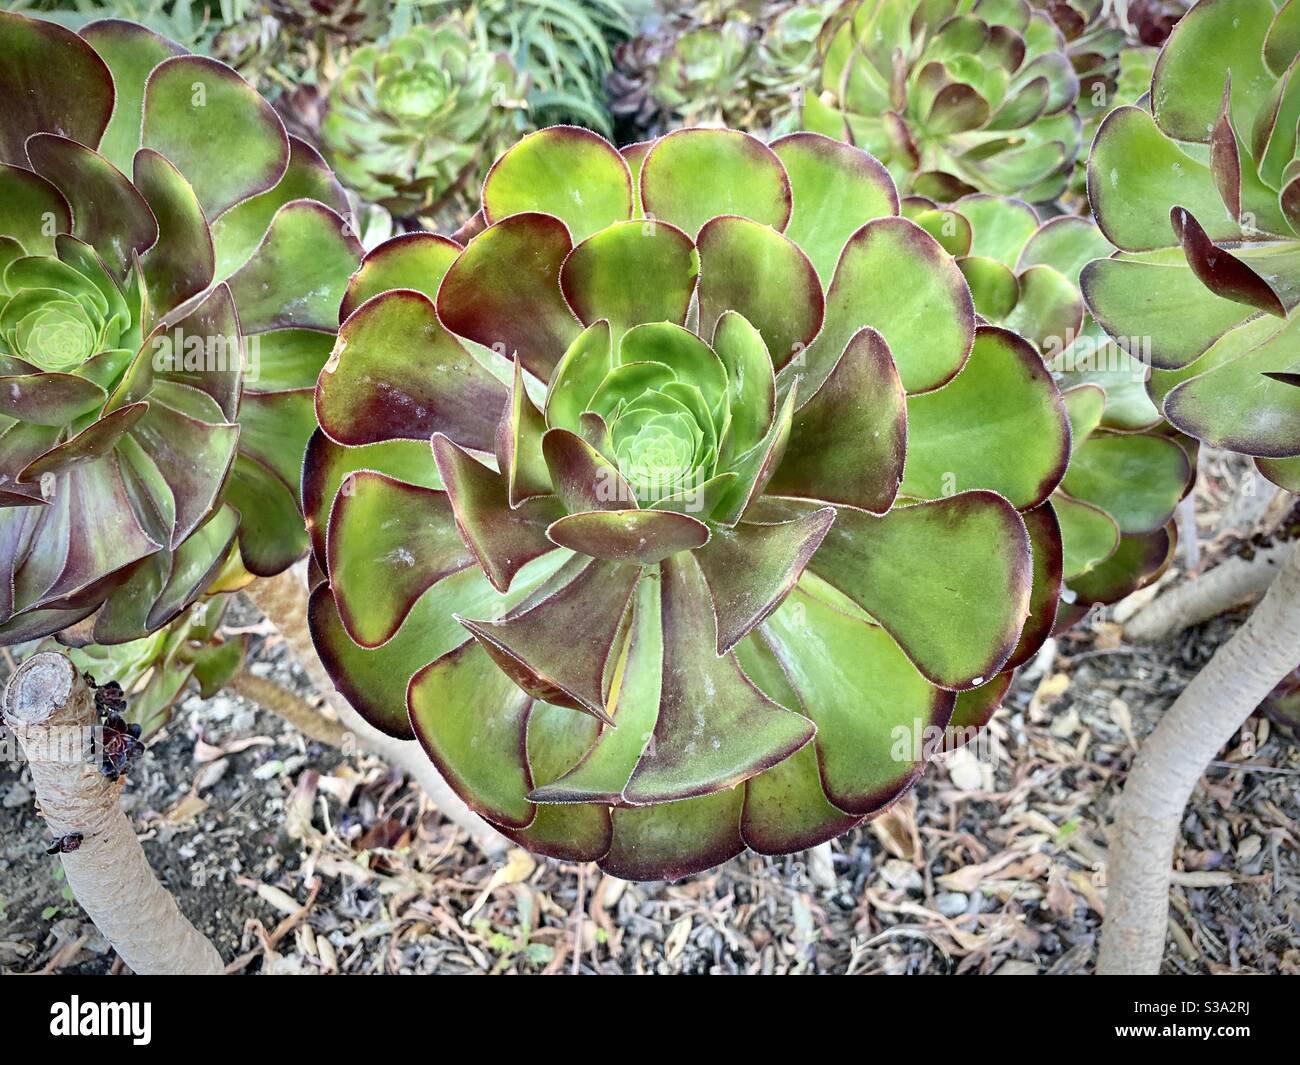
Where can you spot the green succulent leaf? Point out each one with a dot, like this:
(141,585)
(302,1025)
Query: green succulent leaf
(52,80)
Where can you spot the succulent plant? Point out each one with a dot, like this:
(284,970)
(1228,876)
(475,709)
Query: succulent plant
(1127,470)
(411,123)
(1152,21)
(955,96)
(729,501)
(1202,197)
(1093,43)
(342,20)
(704,75)
(1136,64)
(156,332)
(708,64)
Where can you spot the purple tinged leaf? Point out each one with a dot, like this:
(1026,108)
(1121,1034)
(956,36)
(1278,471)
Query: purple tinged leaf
(848,439)
(108,212)
(632,536)
(558,648)
(50,80)
(751,568)
(503,539)
(715,729)
(388,542)
(396,372)
(503,292)
(583,478)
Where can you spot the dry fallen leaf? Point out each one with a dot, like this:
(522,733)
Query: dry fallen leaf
(1048,691)
(519,866)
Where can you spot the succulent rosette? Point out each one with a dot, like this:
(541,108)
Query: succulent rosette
(704,76)
(1201,194)
(1127,470)
(1093,44)
(132,313)
(672,511)
(412,122)
(955,96)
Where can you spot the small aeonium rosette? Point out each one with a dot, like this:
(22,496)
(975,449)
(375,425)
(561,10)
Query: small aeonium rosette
(159,233)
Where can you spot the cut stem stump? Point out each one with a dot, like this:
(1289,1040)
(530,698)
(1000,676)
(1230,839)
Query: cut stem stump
(51,711)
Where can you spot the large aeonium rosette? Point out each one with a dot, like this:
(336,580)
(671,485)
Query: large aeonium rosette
(953,95)
(1199,188)
(159,233)
(673,509)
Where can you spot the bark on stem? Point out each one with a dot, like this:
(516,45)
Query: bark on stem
(1233,583)
(283,600)
(51,711)
(1170,763)
(286,705)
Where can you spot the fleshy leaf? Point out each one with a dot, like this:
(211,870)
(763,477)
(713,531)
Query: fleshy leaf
(583,478)
(1046,546)
(750,568)
(239,231)
(181,263)
(897,278)
(863,695)
(1137,478)
(1221,37)
(1135,563)
(1162,308)
(632,536)
(848,440)
(957,437)
(1088,535)
(503,292)
(668,842)
(108,212)
(296,277)
(131,52)
(1136,176)
(557,648)
(754,270)
(194,109)
(693,175)
(519,444)
(751,384)
(565,171)
(661,258)
(603,772)
(388,542)
(950,581)
(397,372)
(582,369)
(469,716)
(50,80)
(412,260)
(836,190)
(32,210)
(715,729)
(502,539)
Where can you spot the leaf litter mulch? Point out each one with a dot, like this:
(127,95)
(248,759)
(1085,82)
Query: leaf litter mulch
(297,858)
